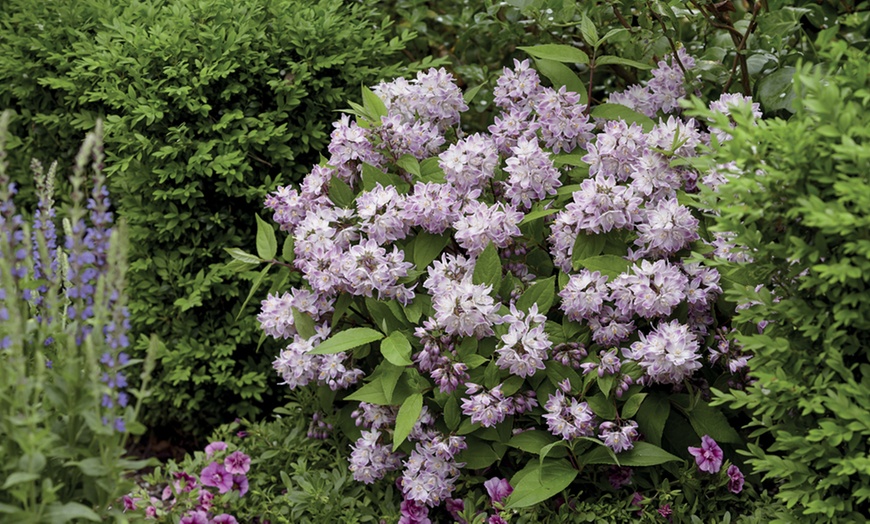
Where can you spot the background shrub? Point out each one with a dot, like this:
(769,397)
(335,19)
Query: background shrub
(209,104)
(805,216)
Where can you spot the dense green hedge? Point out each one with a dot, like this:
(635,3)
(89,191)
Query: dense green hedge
(209,105)
(805,217)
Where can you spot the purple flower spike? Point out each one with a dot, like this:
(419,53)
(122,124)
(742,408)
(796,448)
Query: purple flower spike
(708,456)
(735,479)
(498,489)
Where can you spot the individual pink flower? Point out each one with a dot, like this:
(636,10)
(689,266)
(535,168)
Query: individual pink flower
(194,517)
(496,519)
(214,447)
(498,489)
(666,511)
(735,479)
(240,483)
(130,503)
(224,518)
(237,463)
(708,456)
(205,498)
(216,476)
(151,512)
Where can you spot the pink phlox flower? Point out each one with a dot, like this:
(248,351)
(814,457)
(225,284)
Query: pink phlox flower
(237,463)
(735,479)
(498,489)
(224,518)
(708,456)
(195,517)
(205,500)
(129,503)
(216,476)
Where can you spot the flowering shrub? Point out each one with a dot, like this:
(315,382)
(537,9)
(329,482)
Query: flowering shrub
(65,406)
(537,293)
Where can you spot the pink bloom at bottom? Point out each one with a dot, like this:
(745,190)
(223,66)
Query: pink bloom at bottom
(708,456)
(498,489)
(224,519)
(195,517)
(414,513)
(735,479)
(496,519)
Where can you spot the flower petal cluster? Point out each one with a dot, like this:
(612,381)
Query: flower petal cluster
(525,346)
(709,456)
(568,418)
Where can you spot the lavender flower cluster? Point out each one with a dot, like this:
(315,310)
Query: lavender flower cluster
(648,323)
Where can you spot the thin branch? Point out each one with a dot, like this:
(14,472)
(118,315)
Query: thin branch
(740,58)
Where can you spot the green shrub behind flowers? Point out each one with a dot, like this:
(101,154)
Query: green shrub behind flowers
(531,305)
(805,218)
(66,409)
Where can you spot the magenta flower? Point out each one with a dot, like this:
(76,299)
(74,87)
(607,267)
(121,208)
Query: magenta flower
(216,476)
(130,502)
(205,500)
(496,519)
(498,489)
(666,511)
(215,446)
(735,479)
(708,456)
(240,482)
(194,517)
(224,518)
(237,463)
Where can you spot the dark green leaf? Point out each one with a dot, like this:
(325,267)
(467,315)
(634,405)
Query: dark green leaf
(651,417)
(427,247)
(348,339)
(620,112)
(451,413)
(487,269)
(608,60)
(776,90)
(560,75)
(542,293)
(340,193)
(469,95)
(303,323)
(642,454)
(557,53)
(373,105)
(406,418)
(610,265)
(538,482)
(540,213)
(586,246)
(396,349)
(409,164)
(267,244)
(632,405)
(601,406)
(707,420)
(254,287)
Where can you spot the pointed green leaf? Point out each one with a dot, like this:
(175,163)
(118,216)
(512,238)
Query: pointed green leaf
(373,393)
(407,417)
(303,323)
(396,349)
(540,213)
(651,417)
(243,256)
(707,420)
(451,413)
(632,405)
(287,251)
(610,265)
(427,247)
(373,105)
(71,511)
(409,164)
(588,31)
(642,454)
(608,60)
(340,193)
(621,112)
(539,482)
(557,53)
(542,293)
(586,246)
(254,287)
(347,339)
(561,75)
(19,477)
(487,269)
(267,244)
(469,95)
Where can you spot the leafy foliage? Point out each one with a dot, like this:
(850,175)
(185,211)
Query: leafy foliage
(209,104)
(804,215)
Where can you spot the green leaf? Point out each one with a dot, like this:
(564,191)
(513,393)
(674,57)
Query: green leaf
(452,413)
(243,256)
(254,287)
(478,454)
(557,53)
(340,193)
(620,112)
(471,93)
(540,213)
(776,90)
(7,508)
(396,349)
(560,75)
(632,405)
(287,251)
(373,105)
(342,304)
(542,293)
(651,417)
(615,60)
(707,420)
(588,31)
(538,482)
(19,477)
(586,246)
(348,339)
(601,406)
(487,269)
(610,265)
(267,244)
(642,454)
(427,247)
(372,176)
(58,514)
(532,441)
(303,323)
(409,164)
(373,393)
(92,467)
(406,418)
